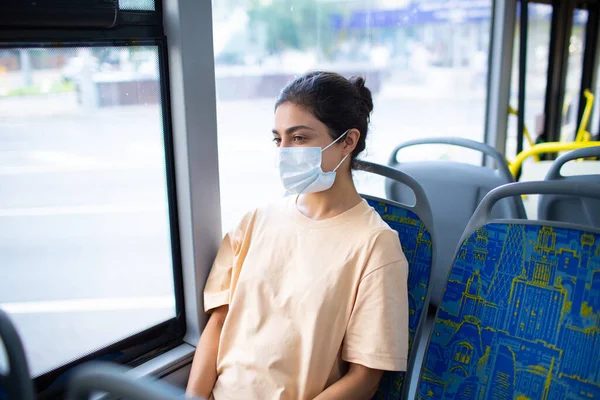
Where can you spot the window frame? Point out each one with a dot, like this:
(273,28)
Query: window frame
(499,75)
(147,29)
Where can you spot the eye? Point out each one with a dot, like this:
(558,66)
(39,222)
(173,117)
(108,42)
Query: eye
(277,141)
(299,139)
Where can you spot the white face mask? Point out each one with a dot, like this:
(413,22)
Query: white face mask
(300,169)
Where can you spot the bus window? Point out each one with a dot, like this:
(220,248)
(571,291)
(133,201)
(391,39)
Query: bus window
(574,71)
(137,5)
(85,232)
(426,64)
(538,45)
(594,123)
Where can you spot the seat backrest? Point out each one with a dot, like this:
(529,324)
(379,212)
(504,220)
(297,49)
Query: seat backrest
(520,314)
(454,190)
(114,380)
(557,207)
(16,383)
(413,224)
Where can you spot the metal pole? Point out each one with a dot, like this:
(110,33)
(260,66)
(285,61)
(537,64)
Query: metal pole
(89,92)
(590,57)
(499,72)
(522,72)
(25,66)
(562,21)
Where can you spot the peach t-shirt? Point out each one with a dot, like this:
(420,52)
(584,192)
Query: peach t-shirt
(305,298)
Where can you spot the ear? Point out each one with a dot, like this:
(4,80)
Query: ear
(351,141)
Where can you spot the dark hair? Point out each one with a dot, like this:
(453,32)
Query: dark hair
(339,103)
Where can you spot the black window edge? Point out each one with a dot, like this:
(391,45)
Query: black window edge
(145,345)
(127,33)
(132,351)
(125,25)
(66,43)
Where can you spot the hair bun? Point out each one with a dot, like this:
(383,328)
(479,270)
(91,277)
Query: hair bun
(365,94)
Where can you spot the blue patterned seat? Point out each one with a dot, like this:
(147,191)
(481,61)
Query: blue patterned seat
(454,190)
(417,246)
(520,314)
(411,223)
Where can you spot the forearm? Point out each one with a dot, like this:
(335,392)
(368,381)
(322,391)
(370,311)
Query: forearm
(358,384)
(204,369)
(203,374)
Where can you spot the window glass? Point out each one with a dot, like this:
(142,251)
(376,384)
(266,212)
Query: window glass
(538,45)
(137,5)
(424,61)
(594,125)
(85,238)
(595,119)
(574,71)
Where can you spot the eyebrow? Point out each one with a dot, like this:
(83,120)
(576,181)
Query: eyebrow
(293,129)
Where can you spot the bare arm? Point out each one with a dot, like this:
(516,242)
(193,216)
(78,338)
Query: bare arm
(204,367)
(360,383)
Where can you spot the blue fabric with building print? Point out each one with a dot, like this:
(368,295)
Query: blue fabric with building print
(417,247)
(519,318)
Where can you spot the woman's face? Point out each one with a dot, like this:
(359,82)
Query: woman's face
(296,127)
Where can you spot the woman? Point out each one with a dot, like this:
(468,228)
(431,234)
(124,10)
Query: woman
(307,296)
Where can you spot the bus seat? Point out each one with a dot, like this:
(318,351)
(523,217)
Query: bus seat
(15,381)
(520,313)
(557,207)
(454,190)
(533,171)
(113,379)
(413,224)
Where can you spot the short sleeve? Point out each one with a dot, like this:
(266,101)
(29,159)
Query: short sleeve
(377,334)
(219,286)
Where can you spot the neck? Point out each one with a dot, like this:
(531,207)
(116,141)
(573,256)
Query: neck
(341,197)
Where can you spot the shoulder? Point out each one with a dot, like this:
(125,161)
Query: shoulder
(384,247)
(376,224)
(367,230)
(376,230)
(263,214)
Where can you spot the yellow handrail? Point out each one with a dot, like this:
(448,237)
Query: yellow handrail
(542,148)
(525,131)
(583,135)
(582,139)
